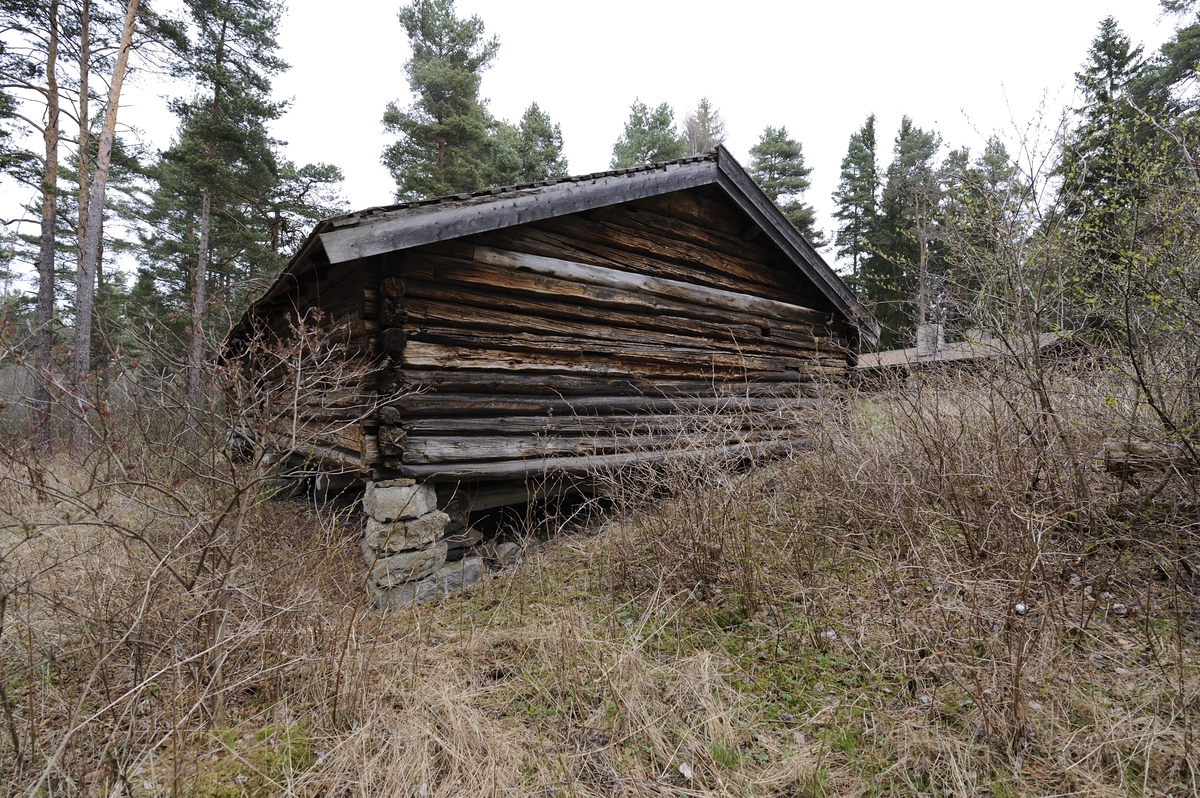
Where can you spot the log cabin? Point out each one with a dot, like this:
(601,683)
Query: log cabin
(566,325)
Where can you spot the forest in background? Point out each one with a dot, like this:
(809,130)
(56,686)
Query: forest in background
(191,232)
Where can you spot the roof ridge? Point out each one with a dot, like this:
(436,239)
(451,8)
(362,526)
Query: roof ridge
(495,191)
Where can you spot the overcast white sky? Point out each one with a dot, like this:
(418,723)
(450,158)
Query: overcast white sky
(962,67)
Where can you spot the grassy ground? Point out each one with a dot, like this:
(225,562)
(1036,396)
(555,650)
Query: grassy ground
(850,622)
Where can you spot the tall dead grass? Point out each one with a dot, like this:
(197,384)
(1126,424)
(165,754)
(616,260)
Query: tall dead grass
(934,596)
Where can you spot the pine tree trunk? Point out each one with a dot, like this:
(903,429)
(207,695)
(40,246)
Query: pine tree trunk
(85,285)
(84,127)
(196,345)
(44,335)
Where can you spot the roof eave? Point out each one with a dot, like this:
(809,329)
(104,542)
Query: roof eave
(412,227)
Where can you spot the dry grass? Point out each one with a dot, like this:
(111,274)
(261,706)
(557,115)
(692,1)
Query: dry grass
(927,601)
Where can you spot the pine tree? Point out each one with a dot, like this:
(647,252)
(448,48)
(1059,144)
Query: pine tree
(857,197)
(649,137)
(777,165)
(30,64)
(223,146)
(443,144)
(704,128)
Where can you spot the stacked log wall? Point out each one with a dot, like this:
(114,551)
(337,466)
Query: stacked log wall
(597,338)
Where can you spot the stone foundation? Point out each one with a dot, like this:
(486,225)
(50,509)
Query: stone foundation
(407,543)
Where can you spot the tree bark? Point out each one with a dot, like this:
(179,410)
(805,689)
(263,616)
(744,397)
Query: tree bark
(89,262)
(44,335)
(196,344)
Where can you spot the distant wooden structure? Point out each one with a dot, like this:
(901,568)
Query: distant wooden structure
(933,350)
(565,325)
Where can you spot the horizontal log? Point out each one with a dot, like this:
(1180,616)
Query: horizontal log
(1128,458)
(449,449)
(542,353)
(671,228)
(651,423)
(443,295)
(346,435)
(311,457)
(430,405)
(435,268)
(549,384)
(594,464)
(621,229)
(557,242)
(650,286)
(424,318)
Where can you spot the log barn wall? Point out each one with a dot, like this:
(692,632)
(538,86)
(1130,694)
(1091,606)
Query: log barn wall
(572,340)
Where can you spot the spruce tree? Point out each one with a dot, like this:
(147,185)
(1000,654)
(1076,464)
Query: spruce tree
(857,197)
(540,146)
(777,165)
(528,153)
(649,137)
(443,144)
(1097,157)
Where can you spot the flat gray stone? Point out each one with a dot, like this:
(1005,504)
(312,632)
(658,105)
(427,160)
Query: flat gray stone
(447,579)
(398,502)
(390,537)
(407,566)
(400,482)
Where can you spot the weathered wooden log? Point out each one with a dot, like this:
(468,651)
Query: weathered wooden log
(556,243)
(565,357)
(434,405)
(426,318)
(594,464)
(630,424)
(692,208)
(475,381)
(1127,458)
(545,304)
(650,286)
(419,450)
(434,268)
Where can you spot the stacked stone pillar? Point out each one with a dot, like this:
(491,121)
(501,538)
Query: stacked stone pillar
(405,545)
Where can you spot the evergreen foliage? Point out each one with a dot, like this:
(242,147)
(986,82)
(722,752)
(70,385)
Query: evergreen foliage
(857,197)
(649,137)
(261,204)
(541,146)
(443,144)
(897,277)
(528,153)
(1100,152)
(777,165)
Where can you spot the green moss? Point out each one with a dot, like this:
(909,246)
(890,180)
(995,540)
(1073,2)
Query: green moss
(258,763)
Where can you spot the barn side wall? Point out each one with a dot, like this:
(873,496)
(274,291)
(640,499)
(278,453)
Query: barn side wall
(586,339)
